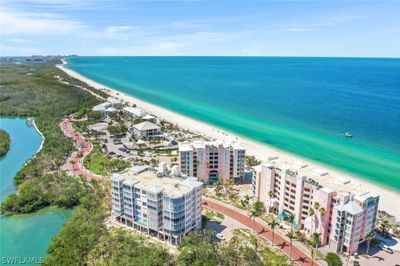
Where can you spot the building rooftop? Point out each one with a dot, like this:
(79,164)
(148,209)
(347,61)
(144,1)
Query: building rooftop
(111,109)
(364,196)
(199,144)
(148,117)
(149,181)
(134,111)
(146,126)
(101,107)
(113,100)
(351,208)
(117,177)
(327,190)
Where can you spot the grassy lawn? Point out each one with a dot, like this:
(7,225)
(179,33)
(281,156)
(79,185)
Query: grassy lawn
(101,164)
(213,215)
(169,153)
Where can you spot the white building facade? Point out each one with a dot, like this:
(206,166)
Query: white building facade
(166,208)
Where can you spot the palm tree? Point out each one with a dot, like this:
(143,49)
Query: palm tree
(315,239)
(273,224)
(311,214)
(383,227)
(369,237)
(312,256)
(291,220)
(245,201)
(290,235)
(253,215)
(317,205)
(256,211)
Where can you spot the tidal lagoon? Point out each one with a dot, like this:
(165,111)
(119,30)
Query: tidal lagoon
(24,236)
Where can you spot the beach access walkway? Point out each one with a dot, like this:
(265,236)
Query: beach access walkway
(75,161)
(299,255)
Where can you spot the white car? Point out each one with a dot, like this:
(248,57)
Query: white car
(219,237)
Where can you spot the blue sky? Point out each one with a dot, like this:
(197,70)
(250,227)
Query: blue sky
(190,27)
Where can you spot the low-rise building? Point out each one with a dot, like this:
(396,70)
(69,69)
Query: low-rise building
(133,112)
(166,208)
(146,131)
(210,161)
(112,105)
(102,108)
(117,104)
(151,119)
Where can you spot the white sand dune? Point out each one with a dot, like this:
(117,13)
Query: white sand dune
(389,200)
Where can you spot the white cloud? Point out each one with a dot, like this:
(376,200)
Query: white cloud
(121,29)
(17,23)
(17,41)
(298,29)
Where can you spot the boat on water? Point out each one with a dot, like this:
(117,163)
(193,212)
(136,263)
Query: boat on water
(348,135)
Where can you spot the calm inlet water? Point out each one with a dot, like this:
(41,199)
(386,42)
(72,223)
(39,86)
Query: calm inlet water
(24,236)
(300,105)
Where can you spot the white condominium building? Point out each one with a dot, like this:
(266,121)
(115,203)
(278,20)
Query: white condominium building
(209,161)
(166,208)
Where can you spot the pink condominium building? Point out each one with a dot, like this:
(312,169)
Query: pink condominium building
(209,161)
(342,220)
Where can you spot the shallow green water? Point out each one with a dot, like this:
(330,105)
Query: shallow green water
(300,105)
(24,237)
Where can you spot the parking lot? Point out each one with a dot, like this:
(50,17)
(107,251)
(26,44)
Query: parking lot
(376,257)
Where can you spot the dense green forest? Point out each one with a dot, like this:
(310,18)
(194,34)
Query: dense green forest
(56,189)
(42,96)
(4,142)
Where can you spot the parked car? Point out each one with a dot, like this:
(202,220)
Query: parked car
(386,248)
(111,153)
(220,237)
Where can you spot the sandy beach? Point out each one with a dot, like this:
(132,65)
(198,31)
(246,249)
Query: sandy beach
(389,200)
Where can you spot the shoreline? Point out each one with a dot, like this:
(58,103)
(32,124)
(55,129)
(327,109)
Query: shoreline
(259,150)
(41,143)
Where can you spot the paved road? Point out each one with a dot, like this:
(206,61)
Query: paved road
(74,163)
(298,255)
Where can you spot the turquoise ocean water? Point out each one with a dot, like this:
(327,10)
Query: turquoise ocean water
(24,236)
(299,105)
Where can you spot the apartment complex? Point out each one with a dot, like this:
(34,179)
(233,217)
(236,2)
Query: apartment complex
(353,217)
(166,208)
(292,192)
(209,161)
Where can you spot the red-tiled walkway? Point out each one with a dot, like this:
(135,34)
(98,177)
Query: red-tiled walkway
(75,161)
